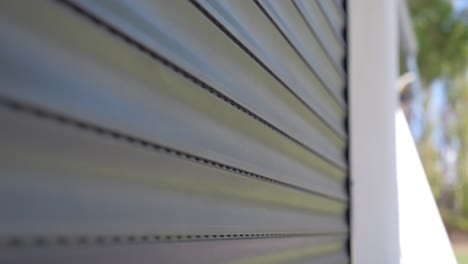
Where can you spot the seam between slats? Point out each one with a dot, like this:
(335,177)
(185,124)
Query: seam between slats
(265,67)
(326,88)
(42,241)
(195,80)
(62,119)
(339,70)
(330,24)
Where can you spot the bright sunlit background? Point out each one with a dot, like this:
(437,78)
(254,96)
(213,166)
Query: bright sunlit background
(438,109)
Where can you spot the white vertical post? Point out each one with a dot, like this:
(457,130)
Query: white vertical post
(373,62)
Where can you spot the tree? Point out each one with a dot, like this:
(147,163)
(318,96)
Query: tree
(442,39)
(443,54)
(458,98)
(430,159)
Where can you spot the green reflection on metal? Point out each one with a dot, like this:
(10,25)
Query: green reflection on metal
(292,255)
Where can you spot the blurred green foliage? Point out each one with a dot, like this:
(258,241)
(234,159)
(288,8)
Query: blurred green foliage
(454,221)
(443,54)
(458,98)
(442,39)
(430,159)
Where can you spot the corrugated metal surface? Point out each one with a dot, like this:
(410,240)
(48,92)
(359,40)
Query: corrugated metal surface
(175,131)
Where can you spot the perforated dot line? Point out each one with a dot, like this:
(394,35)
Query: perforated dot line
(192,78)
(40,113)
(45,241)
(301,56)
(263,65)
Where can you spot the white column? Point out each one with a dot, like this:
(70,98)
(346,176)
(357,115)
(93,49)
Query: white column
(373,51)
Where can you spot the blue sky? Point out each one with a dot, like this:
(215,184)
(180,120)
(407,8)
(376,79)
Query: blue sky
(436,105)
(460,4)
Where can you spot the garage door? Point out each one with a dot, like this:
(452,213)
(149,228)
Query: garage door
(154,131)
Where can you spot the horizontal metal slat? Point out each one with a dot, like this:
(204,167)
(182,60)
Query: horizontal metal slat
(179,32)
(294,27)
(249,25)
(339,258)
(318,250)
(319,25)
(61,178)
(334,15)
(108,83)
